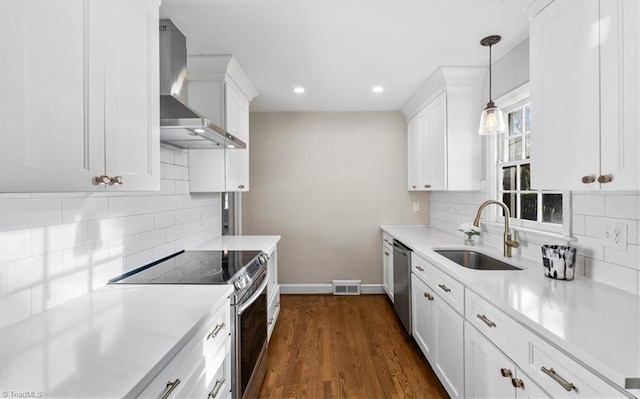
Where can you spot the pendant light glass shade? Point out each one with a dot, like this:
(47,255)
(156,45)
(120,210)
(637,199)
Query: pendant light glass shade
(491,120)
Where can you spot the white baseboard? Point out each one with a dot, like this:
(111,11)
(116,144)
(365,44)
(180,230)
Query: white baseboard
(326,289)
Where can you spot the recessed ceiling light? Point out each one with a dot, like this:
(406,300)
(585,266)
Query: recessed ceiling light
(377,89)
(199,130)
(231,146)
(299,90)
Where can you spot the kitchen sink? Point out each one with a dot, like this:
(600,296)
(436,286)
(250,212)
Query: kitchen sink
(474,260)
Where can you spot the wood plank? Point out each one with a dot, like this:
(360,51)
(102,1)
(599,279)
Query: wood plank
(326,346)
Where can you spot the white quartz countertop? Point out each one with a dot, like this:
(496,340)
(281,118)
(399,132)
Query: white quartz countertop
(240,243)
(108,343)
(597,324)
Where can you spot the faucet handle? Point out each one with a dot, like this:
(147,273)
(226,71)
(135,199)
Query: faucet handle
(512,243)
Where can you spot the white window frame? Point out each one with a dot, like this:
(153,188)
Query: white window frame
(507,103)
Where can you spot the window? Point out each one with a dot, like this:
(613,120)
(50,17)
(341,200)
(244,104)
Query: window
(529,207)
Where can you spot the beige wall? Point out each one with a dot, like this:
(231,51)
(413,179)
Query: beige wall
(325,182)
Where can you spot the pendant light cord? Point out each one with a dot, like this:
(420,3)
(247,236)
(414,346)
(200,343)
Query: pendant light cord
(490,99)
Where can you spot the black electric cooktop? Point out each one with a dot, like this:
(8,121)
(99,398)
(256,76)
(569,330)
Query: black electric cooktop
(190,267)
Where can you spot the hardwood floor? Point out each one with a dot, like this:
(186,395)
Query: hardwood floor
(327,346)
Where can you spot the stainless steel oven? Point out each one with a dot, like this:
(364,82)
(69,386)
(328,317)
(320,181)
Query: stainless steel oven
(247,272)
(251,339)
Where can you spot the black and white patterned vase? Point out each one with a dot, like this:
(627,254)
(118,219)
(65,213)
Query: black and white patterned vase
(559,261)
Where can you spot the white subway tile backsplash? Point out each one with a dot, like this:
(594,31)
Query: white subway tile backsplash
(124,246)
(167,155)
(124,206)
(164,219)
(139,224)
(153,204)
(57,246)
(617,276)
(105,229)
(629,257)
(84,208)
(152,239)
(29,212)
(28,272)
(622,206)
(588,204)
(181,158)
(84,257)
(578,224)
(175,172)
(15,244)
(54,292)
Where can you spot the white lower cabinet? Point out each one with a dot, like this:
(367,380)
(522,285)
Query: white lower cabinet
(273,292)
(202,367)
(387,265)
(486,353)
(489,373)
(439,331)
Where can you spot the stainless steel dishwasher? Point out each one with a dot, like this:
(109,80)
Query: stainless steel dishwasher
(402,284)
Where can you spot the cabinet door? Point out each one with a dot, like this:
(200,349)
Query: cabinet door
(237,160)
(448,355)
(619,90)
(484,364)
(132,137)
(413,153)
(50,137)
(435,154)
(387,271)
(529,389)
(422,309)
(565,95)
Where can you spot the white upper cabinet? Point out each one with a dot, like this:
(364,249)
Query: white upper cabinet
(79,95)
(444,148)
(219,88)
(584,95)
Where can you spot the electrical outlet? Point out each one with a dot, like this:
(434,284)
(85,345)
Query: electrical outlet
(416,206)
(615,236)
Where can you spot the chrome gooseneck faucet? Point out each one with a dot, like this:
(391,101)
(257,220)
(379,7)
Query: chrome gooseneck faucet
(508,240)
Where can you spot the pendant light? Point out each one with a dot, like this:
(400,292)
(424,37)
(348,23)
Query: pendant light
(491,121)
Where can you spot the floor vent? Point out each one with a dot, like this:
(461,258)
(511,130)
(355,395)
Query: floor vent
(346,287)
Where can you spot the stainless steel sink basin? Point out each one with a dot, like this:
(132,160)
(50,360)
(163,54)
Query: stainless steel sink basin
(474,260)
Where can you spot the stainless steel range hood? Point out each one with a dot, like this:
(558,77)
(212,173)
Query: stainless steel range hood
(180,125)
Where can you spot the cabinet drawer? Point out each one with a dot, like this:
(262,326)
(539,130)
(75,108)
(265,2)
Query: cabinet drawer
(213,377)
(199,350)
(502,330)
(562,376)
(423,269)
(448,289)
(273,311)
(387,240)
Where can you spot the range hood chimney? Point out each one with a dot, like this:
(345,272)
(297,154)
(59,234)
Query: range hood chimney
(180,125)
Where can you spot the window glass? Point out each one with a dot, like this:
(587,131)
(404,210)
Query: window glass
(514,173)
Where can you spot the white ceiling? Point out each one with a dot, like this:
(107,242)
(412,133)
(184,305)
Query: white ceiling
(339,50)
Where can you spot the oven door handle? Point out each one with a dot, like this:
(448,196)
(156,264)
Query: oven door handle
(255,295)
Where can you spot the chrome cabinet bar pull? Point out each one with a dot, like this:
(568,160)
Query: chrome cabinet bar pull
(444,288)
(506,373)
(420,268)
(552,373)
(241,186)
(171,385)
(486,320)
(216,388)
(428,296)
(215,331)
